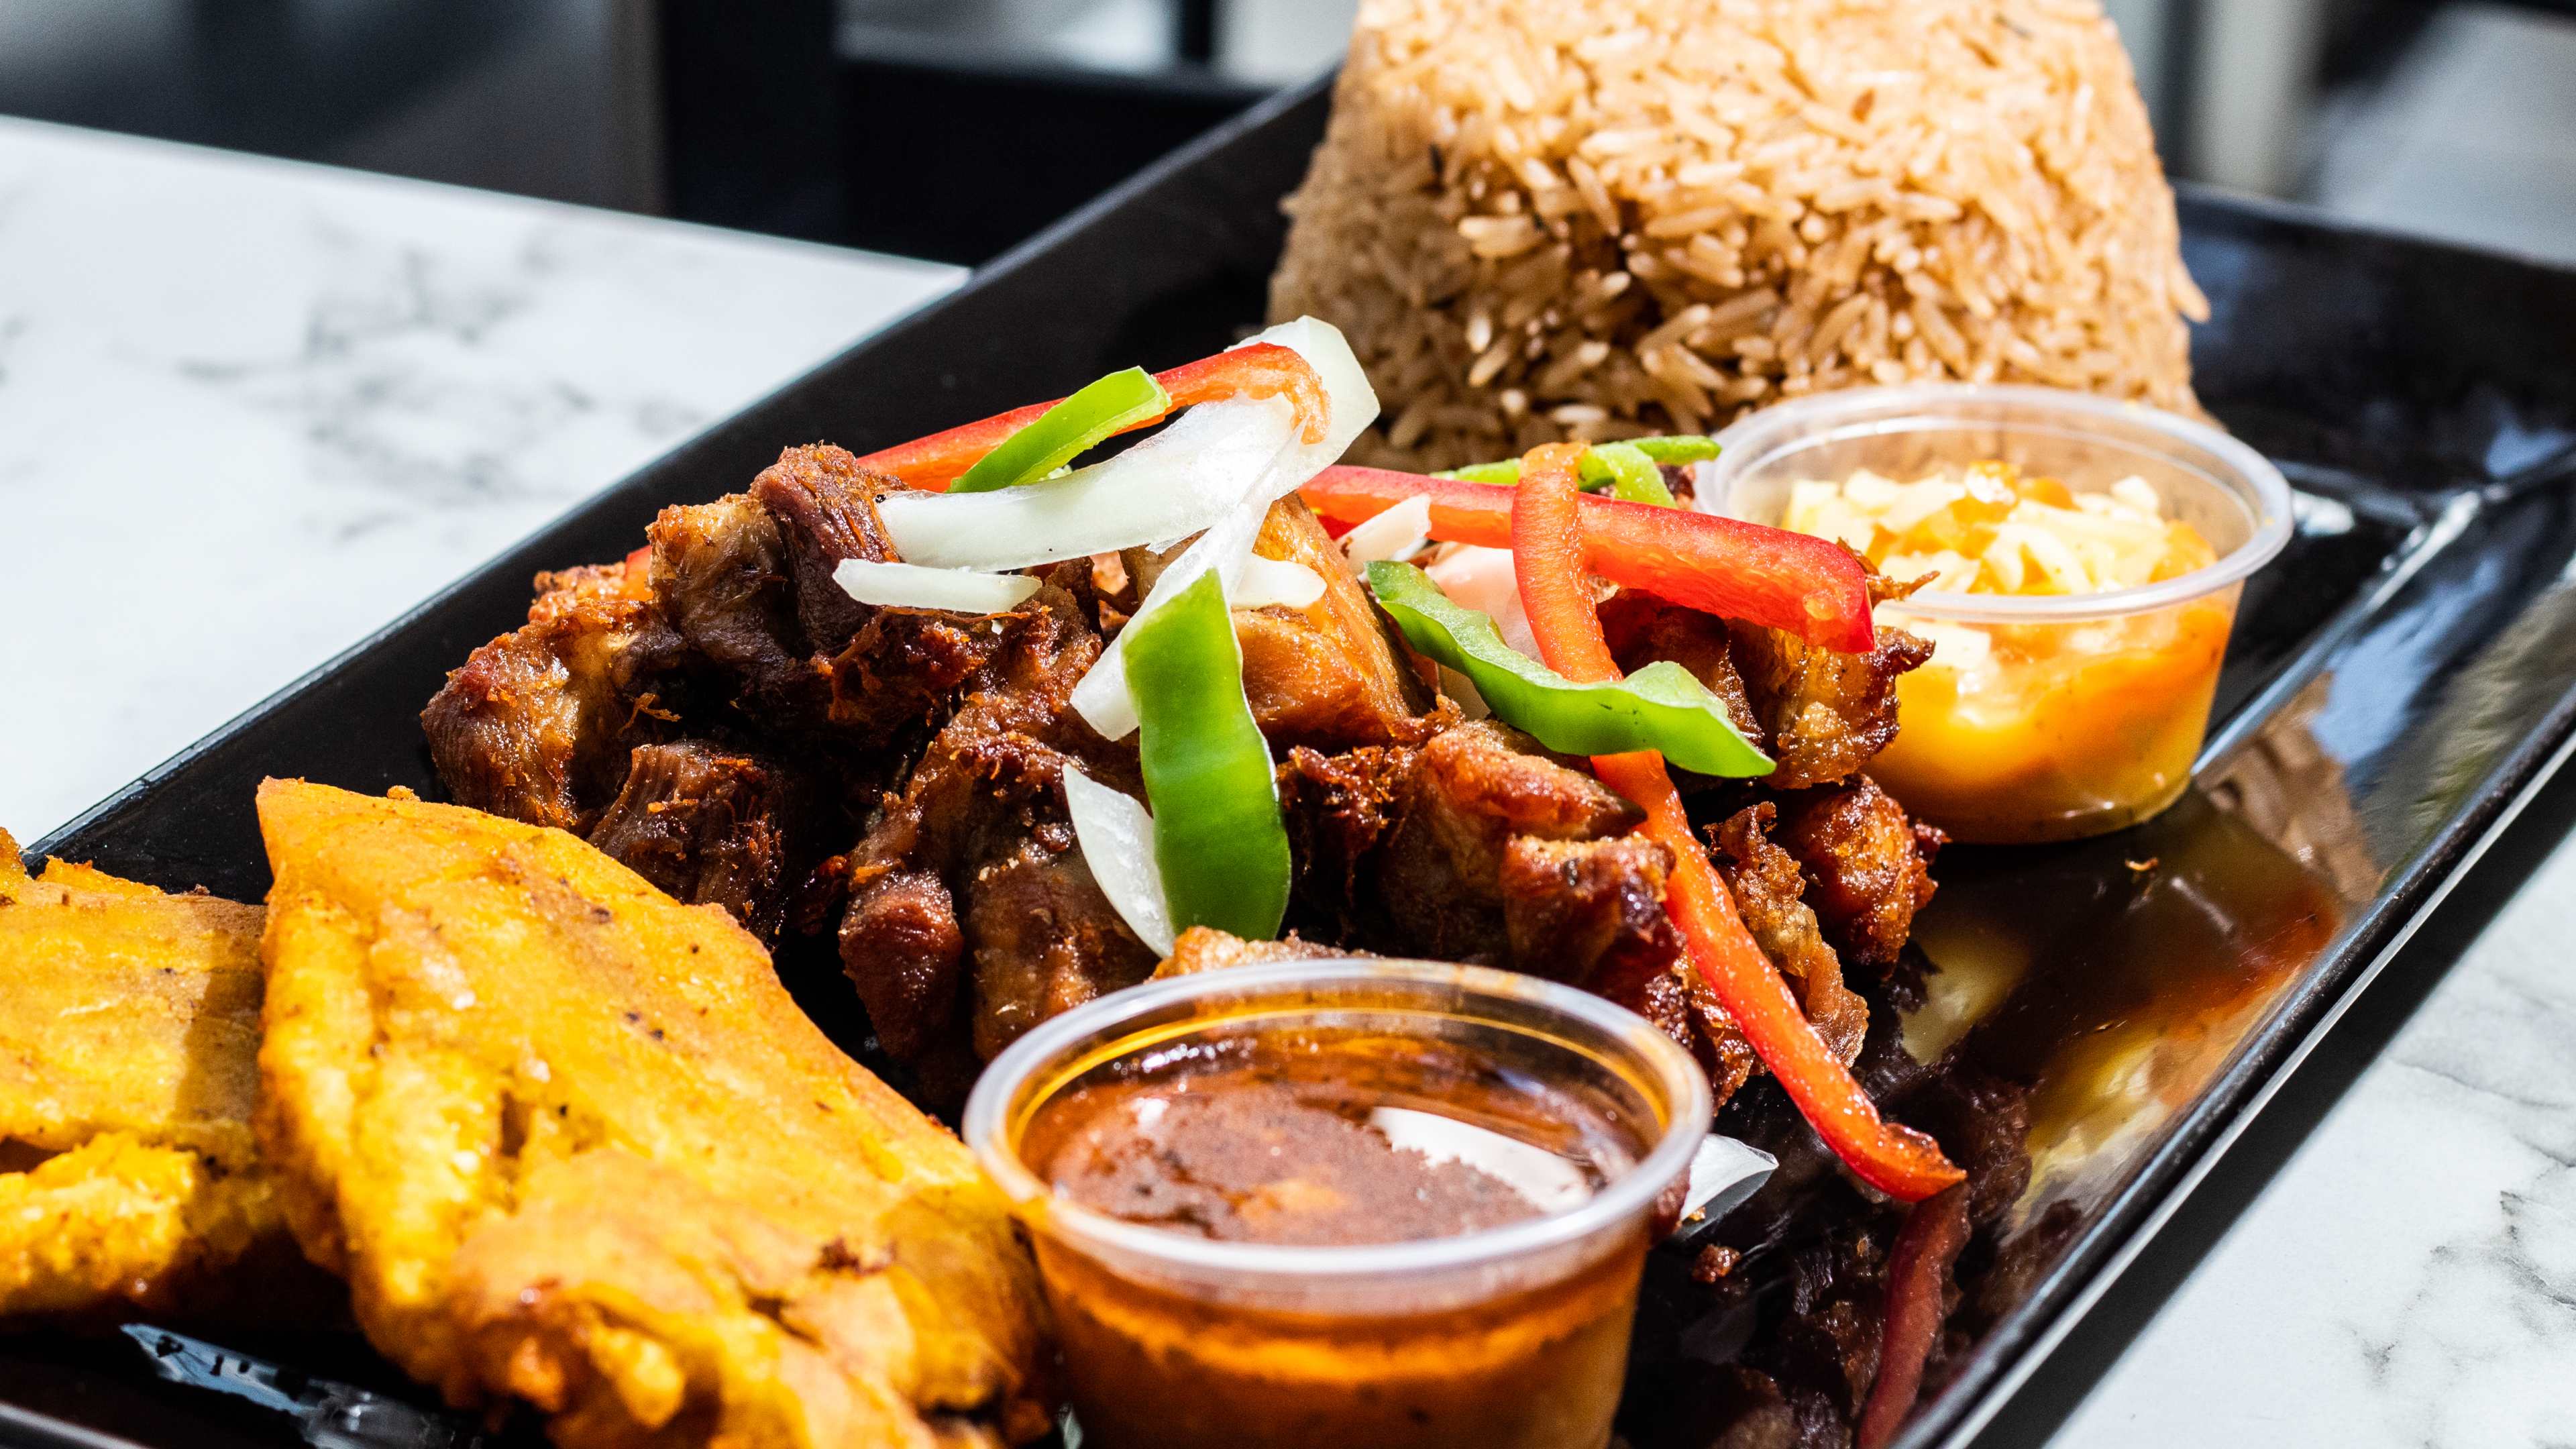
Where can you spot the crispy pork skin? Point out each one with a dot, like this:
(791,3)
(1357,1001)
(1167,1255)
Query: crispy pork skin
(536,725)
(1868,867)
(707,825)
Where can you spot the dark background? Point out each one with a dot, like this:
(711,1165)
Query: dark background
(953,128)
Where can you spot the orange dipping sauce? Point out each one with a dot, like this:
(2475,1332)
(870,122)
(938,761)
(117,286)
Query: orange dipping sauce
(1342,1203)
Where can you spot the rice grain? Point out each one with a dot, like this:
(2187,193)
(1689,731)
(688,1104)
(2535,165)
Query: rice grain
(1538,219)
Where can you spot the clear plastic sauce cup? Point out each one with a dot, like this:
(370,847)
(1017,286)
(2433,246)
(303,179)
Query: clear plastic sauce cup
(1260,1283)
(2046,717)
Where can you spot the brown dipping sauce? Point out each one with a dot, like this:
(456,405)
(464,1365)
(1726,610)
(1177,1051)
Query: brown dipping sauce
(1326,1139)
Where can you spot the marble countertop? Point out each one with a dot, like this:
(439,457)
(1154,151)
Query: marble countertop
(252,410)
(249,411)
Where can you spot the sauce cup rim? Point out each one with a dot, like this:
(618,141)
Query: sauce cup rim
(991,1111)
(2256,483)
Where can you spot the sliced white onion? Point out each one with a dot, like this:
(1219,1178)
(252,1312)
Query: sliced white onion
(1101,696)
(1483,579)
(1268,581)
(1397,533)
(1346,385)
(1723,1174)
(910,586)
(1171,485)
(1116,836)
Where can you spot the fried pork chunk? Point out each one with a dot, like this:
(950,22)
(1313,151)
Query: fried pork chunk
(129,1035)
(1822,715)
(1327,676)
(972,917)
(1476,848)
(936,742)
(536,725)
(571,1142)
(1868,868)
(730,615)
(1770,891)
(707,825)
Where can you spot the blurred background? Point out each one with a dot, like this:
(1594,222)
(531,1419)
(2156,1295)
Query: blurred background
(951,129)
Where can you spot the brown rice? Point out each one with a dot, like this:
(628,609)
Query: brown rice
(1603,218)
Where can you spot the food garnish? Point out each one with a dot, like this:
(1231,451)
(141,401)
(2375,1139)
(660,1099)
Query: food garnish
(1116,833)
(1180,481)
(1220,842)
(1631,470)
(1661,707)
(1918,1269)
(1261,369)
(1094,414)
(1812,588)
(1348,407)
(1264,417)
(1276,581)
(1548,516)
(1398,533)
(910,586)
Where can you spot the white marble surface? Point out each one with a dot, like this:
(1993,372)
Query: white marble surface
(251,410)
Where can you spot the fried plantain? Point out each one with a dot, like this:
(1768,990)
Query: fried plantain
(129,1034)
(572,1143)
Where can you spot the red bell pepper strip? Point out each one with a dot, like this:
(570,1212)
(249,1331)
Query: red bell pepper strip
(1264,369)
(1811,587)
(1548,516)
(1934,1232)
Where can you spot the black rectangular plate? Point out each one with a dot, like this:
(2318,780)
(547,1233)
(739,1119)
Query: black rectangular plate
(2398,685)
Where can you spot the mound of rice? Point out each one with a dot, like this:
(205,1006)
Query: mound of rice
(1539,219)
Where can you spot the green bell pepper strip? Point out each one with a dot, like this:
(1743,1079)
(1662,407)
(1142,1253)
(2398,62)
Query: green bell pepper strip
(1678,449)
(1220,840)
(1633,475)
(1062,433)
(1632,471)
(1660,707)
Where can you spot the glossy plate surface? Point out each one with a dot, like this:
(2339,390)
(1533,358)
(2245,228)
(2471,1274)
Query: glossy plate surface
(2399,682)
